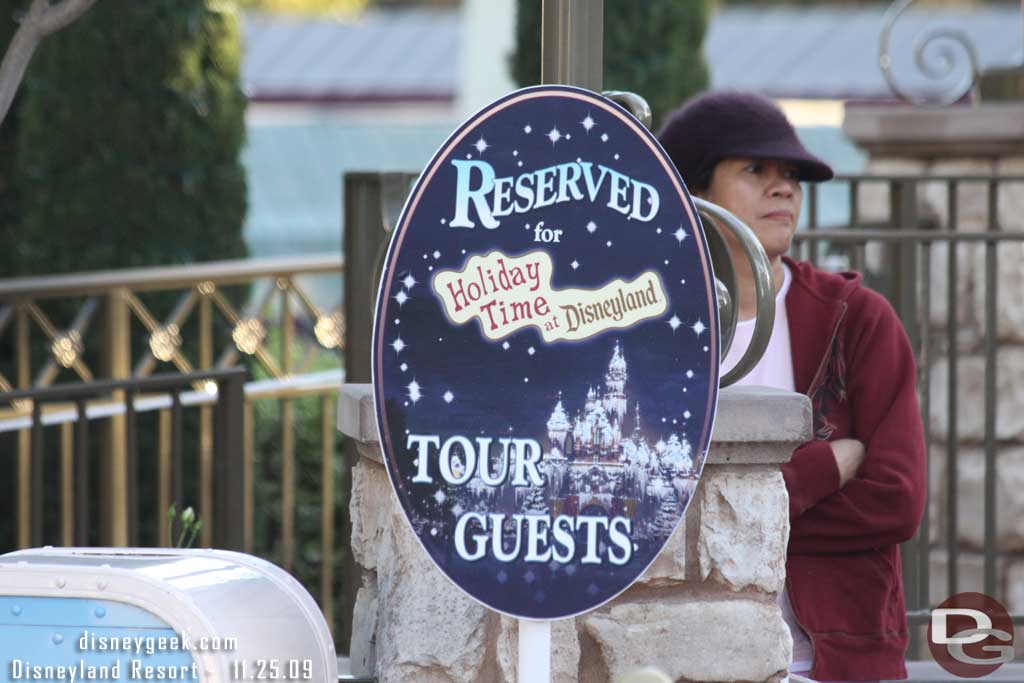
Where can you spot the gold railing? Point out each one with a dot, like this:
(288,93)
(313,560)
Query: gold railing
(130,324)
(198,284)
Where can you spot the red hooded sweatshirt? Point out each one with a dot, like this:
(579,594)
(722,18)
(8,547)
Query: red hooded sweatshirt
(851,356)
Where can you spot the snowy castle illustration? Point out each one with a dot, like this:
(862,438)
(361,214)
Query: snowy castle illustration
(601,462)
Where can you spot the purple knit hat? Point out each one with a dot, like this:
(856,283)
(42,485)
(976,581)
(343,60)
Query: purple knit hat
(729,124)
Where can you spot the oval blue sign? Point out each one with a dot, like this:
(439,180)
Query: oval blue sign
(545,353)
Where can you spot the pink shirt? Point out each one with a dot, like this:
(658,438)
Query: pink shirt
(775,369)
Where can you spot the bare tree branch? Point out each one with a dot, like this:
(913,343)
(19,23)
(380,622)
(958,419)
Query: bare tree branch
(56,17)
(41,20)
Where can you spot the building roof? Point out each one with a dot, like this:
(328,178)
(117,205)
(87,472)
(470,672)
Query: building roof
(832,52)
(817,52)
(295,168)
(382,55)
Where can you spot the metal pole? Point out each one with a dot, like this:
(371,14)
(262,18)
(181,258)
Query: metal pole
(534,651)
(572,43)
(230,479)
(572,53)
(118,363)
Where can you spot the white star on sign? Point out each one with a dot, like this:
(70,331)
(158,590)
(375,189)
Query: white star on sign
(531,350)
(398,345)
(604,137)
(689,374)
(591,226)
(687,414)
(481,145)
(437,255)
(448,397)
(401,297)
(698,327)
(505,345)
(414,391)
(440,497)
(575,264)
(528,129)
(404,367)
(674,322)
(588,123)
(409,281)
(679,235)
(554,135)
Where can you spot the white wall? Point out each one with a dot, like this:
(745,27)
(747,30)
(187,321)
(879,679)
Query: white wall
(488,39)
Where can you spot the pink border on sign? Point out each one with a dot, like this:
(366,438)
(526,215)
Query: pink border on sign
(424,181)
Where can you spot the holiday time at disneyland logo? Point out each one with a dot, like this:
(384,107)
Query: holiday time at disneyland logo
(507,293)
(545,353)
(971,635)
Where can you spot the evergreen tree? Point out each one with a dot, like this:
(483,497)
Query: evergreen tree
(130,130)
(652,48)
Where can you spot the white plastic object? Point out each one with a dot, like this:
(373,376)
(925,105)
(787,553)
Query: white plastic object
(212,594)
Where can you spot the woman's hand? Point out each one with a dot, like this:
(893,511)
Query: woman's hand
(849,454)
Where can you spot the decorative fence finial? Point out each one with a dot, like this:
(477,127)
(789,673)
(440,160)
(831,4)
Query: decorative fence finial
(937,55)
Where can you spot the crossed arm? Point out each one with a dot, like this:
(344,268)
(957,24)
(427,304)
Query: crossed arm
(867,490)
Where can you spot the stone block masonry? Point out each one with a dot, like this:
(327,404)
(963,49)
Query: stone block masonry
(705,610)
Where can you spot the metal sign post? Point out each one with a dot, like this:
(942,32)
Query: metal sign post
(572,53)
(572,43)
(534,650)
(545,357)
(546,347)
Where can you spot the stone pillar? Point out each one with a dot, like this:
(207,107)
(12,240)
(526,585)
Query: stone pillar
(704,611)
(985,140)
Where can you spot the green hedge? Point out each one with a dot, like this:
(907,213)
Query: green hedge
(128,140)
(122,150)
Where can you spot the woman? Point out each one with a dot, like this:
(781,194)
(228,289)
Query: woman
(857,489)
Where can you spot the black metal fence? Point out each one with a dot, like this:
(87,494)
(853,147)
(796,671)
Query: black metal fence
(916,239)
(77,412)
(938,248)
